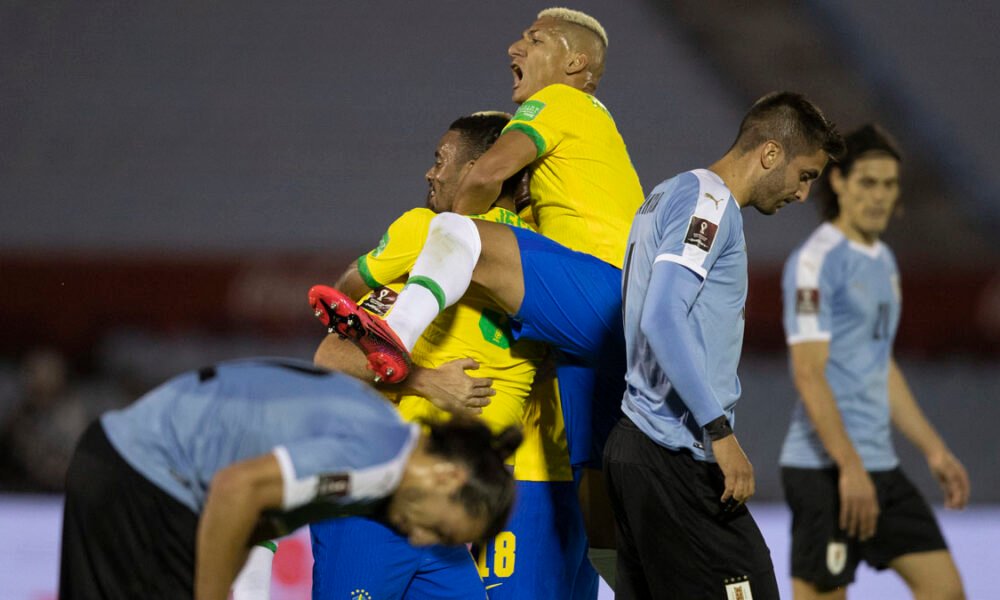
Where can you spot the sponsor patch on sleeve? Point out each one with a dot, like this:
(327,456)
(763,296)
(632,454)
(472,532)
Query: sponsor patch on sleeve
(380,301)
(333,485)
(528,110)
(807,301)
(701,233)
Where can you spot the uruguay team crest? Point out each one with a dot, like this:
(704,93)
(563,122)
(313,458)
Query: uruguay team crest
(836,557)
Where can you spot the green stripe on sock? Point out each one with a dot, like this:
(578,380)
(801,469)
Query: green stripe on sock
(366,273)
(431,286)
(269,545)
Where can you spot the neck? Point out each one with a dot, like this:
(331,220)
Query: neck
(736,172)
(853,233)
(506,201)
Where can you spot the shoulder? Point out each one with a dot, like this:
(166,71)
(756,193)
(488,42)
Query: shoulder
(815,255)
(414,216)
(702,194)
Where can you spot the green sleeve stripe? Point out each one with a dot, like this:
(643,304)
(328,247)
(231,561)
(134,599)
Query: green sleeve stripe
(431,286)
(529,131)
(366,274)
(269,545)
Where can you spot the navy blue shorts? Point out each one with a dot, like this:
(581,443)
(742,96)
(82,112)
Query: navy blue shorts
(573,302)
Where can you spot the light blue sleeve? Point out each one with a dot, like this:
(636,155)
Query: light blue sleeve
(672,291)
(694,228)
(808,288)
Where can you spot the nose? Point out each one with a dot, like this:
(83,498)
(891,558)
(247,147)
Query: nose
(429,175)
(514,50)
(803,191)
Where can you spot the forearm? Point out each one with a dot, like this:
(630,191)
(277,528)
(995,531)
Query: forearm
(352,283)
(670,334)
(236,498)
(223,536)
(476,195)
(821,408)
(907,416)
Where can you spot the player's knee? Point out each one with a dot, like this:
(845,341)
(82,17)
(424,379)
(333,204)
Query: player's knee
(456,231)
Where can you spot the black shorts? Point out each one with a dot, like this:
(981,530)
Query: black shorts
(122,536)
(674,539)
(823,555)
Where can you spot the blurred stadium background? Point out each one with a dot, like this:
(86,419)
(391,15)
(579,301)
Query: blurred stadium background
(174,176)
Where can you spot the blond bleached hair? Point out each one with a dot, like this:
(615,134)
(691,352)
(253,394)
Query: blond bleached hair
(492,113)
(577,18)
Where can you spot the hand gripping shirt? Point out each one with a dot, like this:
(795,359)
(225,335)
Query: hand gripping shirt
(338,442)
(839,291)
(692,220)
(584,190)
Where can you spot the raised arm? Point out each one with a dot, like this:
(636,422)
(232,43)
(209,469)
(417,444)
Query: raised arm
(910,420)
(237,497)
(481,186)
(858,501)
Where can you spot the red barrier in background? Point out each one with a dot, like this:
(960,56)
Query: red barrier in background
(69,302)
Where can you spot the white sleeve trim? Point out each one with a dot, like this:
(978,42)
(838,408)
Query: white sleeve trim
(684,261)
(818,336)
(295,492)
(382,480)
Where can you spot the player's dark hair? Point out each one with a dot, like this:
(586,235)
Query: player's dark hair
(792,121)
(479,131)
(866,141)
(489,490)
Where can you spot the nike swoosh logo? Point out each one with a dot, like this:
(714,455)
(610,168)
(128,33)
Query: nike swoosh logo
(495,585)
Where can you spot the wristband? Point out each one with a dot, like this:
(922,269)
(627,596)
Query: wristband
(718,428)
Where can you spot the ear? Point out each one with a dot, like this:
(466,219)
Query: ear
(837,181)
(771,154)
(449,476)
(578,62)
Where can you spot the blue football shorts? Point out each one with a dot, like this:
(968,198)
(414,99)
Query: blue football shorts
(573,301)
(542,554)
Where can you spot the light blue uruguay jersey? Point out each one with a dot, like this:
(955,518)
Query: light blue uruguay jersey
(335,438)
(846,293)
(693,220)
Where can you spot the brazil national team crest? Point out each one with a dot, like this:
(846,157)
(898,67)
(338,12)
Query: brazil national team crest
(701,233)
(738,588)
(360,594)
(836,557)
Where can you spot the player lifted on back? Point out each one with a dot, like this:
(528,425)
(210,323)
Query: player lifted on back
(849,499)
(542,551)
(562,286)
(676,474)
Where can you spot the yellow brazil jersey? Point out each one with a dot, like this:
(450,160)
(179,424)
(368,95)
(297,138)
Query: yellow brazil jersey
(584,190)
(474,328)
